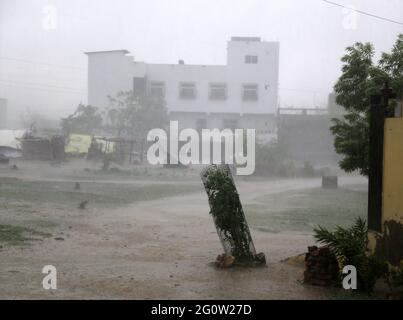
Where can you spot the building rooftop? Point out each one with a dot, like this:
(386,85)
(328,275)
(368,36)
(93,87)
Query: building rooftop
(106,51)
(247,39)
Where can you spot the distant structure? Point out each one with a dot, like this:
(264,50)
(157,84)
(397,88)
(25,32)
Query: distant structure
(241,94)
(306,136)
(3,113)
(305,132)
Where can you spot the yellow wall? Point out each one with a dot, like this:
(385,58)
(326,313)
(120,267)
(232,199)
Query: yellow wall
(389,243)
(393,171)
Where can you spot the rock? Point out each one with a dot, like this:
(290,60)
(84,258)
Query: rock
(260,258)
(224,261)
(82,204)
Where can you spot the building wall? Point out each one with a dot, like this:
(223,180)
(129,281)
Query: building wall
(108,73)
(264,124)
(307,137)
(393,170)
(265,73)
(174,74)
(112,71)
(389,243)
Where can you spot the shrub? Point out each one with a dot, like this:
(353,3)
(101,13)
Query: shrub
(395,280)
(228,214)
(350,247)
(272,160)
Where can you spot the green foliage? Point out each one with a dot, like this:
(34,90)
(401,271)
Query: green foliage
(272,160)
(18,235)
(134,116)
(85,120)
(369,269)
(227,211)
(351,138)
(359,80)
(350,247)
(347,243)
(395,279)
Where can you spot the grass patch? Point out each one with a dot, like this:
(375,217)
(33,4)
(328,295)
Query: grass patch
(138,173)
(17,235)
(101,194)
(303,210)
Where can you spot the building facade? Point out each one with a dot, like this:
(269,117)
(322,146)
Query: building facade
(241,94)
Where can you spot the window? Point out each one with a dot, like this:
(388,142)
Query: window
(230,124)
(249,59)
(157,89)
(201,124)
(139,86)
(187,90)
(218,91)
(250,92)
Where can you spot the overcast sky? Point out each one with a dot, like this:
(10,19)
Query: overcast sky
(43,68)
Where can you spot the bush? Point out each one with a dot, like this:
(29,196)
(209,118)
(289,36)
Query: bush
(350,247)
(395,280)
(228,214)
(272,160)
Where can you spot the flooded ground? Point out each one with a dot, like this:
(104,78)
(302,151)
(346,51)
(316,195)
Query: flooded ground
(161,248)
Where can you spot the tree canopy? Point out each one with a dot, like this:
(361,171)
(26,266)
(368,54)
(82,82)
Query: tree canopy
(361,78)
(85,120)
(134,116)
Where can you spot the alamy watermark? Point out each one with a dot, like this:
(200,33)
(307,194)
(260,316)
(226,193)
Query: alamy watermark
(50,280)
(350,279)
(350,18)
(197,150)
(49,20)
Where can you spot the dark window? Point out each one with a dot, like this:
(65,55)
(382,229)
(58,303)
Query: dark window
(218,91)
(187,90)
(250,92)
(139,86)
(230,124)
(201,124)
(157,89)
(249,59)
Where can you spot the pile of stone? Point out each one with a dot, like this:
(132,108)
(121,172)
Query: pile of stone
(224,261)
(321,267)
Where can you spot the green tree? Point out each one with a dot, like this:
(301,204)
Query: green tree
(85,120)
(132,116)
(359,80)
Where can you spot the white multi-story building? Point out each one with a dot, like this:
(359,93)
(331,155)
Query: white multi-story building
(241,94)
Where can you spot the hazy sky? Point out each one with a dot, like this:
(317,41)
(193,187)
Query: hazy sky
(43,68)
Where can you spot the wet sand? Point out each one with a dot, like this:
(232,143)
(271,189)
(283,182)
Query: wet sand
(159,249)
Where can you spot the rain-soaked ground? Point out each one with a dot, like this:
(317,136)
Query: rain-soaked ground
(155,249)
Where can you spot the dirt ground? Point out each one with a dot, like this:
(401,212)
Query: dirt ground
(159,249)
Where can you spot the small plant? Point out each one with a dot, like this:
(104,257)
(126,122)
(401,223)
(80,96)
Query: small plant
(227,211)
(395,280)
(348,244)
(350,247)
(229,218)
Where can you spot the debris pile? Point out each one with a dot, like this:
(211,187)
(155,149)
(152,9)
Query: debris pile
(321,267)
(224,261)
